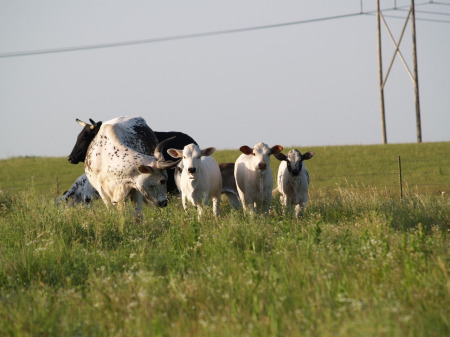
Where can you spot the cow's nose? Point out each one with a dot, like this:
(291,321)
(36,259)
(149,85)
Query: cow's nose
(262,166)
(191,169)
(69,159)
(162,203)
(295,173)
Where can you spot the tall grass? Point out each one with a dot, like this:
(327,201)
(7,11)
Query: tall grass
(356,264)
(360,262)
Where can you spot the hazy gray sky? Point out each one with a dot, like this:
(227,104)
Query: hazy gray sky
(308,84)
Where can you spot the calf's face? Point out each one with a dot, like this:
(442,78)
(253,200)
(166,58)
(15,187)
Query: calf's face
(294,160)
(191,158)
(260,155)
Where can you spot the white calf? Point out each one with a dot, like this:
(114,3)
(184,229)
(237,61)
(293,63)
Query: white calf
(254,176)
(198,177)
(293,180)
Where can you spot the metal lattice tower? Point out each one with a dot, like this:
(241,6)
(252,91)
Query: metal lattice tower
(413,74)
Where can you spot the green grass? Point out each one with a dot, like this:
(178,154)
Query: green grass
(360,262)
(425,169)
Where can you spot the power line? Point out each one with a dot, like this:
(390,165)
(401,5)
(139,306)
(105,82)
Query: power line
(197,35)
(173,38)
(417,19)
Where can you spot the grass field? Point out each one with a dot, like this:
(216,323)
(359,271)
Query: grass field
(360,262)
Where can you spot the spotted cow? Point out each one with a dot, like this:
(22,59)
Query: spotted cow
(125,159)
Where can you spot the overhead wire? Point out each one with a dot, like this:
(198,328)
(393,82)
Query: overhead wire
(211,33)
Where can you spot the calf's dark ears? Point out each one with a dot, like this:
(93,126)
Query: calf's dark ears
(276,149)
(246,150)
(280,156)
(307,155)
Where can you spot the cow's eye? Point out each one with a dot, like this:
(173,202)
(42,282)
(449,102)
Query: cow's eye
(254,153)
(163,181)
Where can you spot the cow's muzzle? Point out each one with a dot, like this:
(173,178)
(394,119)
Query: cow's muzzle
(162,203)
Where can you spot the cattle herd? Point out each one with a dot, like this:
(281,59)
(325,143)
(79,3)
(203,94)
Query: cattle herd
(124,158)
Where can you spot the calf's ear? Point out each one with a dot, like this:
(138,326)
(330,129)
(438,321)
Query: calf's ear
(276,149)
(208,151)
(175,153)
(307,155)
(246,150)
(280,156)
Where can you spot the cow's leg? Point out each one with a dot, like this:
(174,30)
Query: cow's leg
(138,199)
(300,208)
(119,195)
(106,199)
(287,205)
(249,205)
(199,210)
(183,201)
(216,205)
(266,201)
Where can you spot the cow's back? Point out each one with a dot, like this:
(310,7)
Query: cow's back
(133,133)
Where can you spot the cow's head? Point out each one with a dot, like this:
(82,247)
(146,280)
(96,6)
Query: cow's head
(152,179)
(85,138)
(261,155)
(294,160)
(191,157)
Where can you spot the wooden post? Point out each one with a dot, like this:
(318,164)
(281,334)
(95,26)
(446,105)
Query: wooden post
(416,76)
(380,75)
(400,181)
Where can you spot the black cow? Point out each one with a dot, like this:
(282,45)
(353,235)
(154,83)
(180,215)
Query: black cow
(89,131)
(83,140)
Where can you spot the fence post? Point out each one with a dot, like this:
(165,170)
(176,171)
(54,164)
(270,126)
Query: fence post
(400,182)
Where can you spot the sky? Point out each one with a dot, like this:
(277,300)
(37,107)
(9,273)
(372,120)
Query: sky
(314,83)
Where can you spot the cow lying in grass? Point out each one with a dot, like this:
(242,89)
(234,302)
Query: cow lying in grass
(81,192)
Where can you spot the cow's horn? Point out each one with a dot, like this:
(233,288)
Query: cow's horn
(160,148)
(81,122)
(94,124)
(163,165)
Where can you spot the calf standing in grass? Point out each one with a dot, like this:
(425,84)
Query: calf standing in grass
(293,180)
(198,177)
(254,176)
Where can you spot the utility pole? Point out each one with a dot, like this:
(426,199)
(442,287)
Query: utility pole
(416,74)
(380,75)
(413,75)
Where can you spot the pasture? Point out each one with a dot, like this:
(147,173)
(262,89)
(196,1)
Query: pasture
(360,261)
